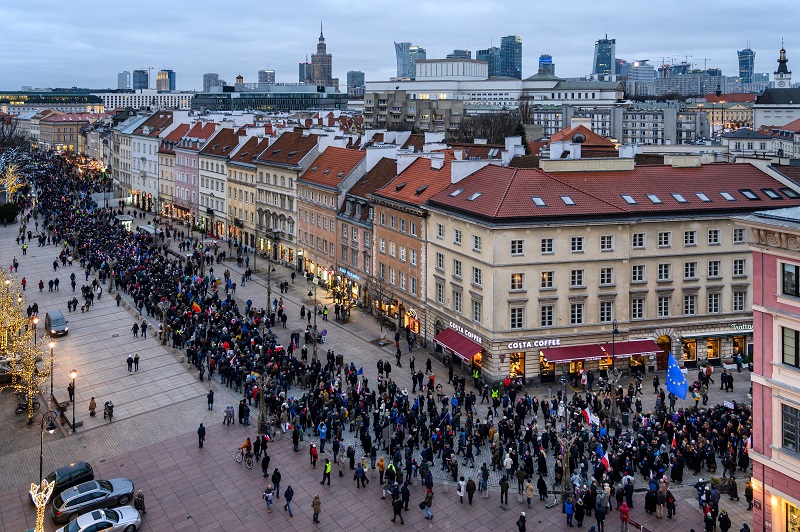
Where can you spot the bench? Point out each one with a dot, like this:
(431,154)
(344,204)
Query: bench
(61,408)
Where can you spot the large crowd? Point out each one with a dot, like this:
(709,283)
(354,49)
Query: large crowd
(404,434)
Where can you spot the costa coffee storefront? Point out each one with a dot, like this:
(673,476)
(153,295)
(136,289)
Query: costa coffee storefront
(556,360)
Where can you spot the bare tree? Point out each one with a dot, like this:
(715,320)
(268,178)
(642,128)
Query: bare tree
(494,127)
(10,135)
(382,295)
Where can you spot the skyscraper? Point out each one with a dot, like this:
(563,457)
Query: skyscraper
(459,54)
(141,80)
(322,63)
(604,55)
(210,80)
(165,80)
(407,57)
(546,64)
(492,56)
(266,77)
(124,79)
(747,59)
(305,74)
(355,83)
(511,56)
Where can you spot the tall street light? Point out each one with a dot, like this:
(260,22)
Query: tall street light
(614,375)
(313,287)
(48,419)
(40,493)
(73,374)
(35,333)
(52,344)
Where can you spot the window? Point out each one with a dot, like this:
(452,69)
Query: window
(547,245)
(517,248)
(637,241)
(713,268)
(607,243)
(402,280)
(576,279)
(413,228)
(713,237)
(413,257)
(690,238)
(402,253)
(392,222)
(477,310)
(383,245)
(382,269)
(439,261)
(392,277)
(576,314)
(344,253)
(689,304)
(576,244)
(739,300)
(713,303)
(738,267)
(790,423)
(690,270)
(791,347)
(606,312)
(477,276)
(457,237)
(738,235)
(547,280)
(383,221)
(456,268)
(517,318)
(637,308)
(664,239)
(392,249)
(546,316)
(665,272)
(440,231)
(440,293)
(606,276)
(413,285)
(663,306)
(476,243)
(403,225)
(637,273)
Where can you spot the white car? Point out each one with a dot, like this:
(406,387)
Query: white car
(122,519)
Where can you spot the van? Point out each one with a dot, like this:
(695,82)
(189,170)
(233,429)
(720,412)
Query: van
(55,324)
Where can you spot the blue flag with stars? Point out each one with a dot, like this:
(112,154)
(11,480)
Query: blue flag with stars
(676,381)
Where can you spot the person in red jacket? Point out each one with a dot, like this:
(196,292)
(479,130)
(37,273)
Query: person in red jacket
(314,453)
(624,516)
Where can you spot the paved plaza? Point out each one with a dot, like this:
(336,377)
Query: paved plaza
(152,439)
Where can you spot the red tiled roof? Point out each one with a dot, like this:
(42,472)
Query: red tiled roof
(729,98)
(791,126)
(288,149)
(535,146)
(415,140)
(222,144)
(169,142)
(418,182)
(507,193)
(792,172)
(250,150)
(157,123)
(381,174)
(481,151)
(592,139)
(330,168)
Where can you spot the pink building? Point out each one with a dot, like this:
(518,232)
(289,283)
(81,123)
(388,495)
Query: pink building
(775,241)
(187,182)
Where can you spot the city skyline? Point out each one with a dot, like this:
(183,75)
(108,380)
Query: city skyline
(79,53)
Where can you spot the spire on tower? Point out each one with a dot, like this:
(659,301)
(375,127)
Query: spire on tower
(321,38)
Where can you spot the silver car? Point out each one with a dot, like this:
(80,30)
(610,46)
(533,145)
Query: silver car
(74,501)
(123,519)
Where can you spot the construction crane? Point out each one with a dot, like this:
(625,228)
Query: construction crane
(705,62)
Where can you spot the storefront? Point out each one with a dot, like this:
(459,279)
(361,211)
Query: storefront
(346,287)
(596,357)
(411,321)
(717,347)
(463,351)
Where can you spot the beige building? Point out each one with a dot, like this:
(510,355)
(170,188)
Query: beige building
(536,272)
(396,110)
(242,172)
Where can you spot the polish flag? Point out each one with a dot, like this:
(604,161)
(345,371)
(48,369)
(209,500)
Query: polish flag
(587,415)
(674,442)
(604,460)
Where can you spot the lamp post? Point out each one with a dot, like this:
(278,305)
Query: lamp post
(313,287)
(48,418)
(35,321)
(52,344)
(73,374)
(614,375)
(40,493)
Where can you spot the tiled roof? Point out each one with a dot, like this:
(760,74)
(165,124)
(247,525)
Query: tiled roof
(288,149)
(157,123)
(250,150)
(480,151)
(791,126)
(792,172)
(415,140)
(419,182)
(381,174)
(330,168)
(222,144)
(501,193)
(169,142)
(742,98)
(592,139)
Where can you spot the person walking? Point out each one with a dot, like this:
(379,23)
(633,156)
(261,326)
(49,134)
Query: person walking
(460,487)
(136,362)
(624,516)
(288,495)
(327,472)
(201,435)
(314,454)
(569,510)
(210,397)
(471,487)
(135,330)
(521,522)
(528,492)
(267,496)
(504,485)
(316,506)
(427,503)
(130,364)
(265,464)
(92,407)
(138,502)
(144,329)
(276,481)
(397,510)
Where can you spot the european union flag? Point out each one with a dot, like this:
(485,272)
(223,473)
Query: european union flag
(676,381)
(360,371)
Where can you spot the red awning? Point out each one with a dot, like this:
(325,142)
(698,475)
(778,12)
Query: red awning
(631,348)
(557,355)
(460,345)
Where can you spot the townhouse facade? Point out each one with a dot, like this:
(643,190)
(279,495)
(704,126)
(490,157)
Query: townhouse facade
(187,168)
(145,143)
(166,170)
(213,174)
(242,172)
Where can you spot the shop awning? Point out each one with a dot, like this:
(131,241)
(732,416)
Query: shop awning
(558,355)
(632,348)
(459,344)
(727,332)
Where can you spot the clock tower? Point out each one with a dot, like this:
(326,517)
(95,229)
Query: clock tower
(782,78)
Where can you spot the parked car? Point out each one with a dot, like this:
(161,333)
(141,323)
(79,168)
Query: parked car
(68,476)
(55,323)
(123,519)
(74,501)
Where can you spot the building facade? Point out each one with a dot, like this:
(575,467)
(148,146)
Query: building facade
(165,81)
(242,172)
(186,204)
(747,59)
(145,143)
(492,57)
(124,80)
(407,56)
(166,170)
(775,450)
(322,64)
(146,99)
(511,56)
(141,80)
(604,56)
(213,173)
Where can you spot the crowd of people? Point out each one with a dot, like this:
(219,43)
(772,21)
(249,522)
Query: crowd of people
(376,423)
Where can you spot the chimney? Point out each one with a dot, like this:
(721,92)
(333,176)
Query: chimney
(437,162)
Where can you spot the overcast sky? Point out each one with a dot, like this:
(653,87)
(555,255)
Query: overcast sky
(86,43)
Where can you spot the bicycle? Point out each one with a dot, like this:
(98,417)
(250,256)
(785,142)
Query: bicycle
(248,458)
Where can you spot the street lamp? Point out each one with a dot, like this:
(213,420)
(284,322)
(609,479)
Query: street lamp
(40,493)
(52,344)
(73,374)
(614,375)
(313,287)
(35,335)
(614,333)
(48,419)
